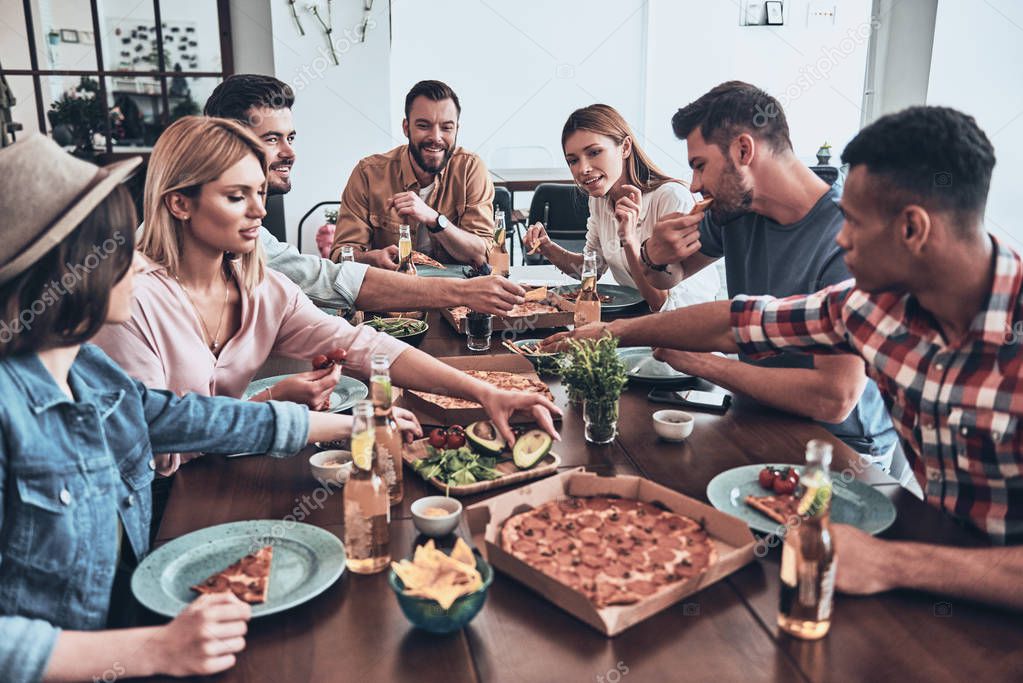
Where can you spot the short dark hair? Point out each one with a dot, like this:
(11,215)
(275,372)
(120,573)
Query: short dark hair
(431,90)
(935,156)
(237,94)
(730,109)
(63,298)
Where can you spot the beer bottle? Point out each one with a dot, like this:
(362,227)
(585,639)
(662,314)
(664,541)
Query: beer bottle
(808,559)
(388,436)
(366,508)
(405,264)
(587,304)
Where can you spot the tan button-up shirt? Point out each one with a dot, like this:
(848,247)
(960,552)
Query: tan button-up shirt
(463,192)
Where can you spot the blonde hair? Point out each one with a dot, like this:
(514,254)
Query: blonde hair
(603,119)
(193,151)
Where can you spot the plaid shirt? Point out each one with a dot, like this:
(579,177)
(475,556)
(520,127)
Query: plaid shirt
(957,408)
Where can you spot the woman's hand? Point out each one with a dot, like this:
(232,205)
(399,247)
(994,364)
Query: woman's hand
(536,238)
(627,210)
(204,638)
(500,405)
(407,423)
(311,388)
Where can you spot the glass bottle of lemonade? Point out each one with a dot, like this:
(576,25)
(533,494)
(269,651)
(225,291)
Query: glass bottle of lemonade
(367,509)
(388,436)
(587,304)
(808,559)
(405,264)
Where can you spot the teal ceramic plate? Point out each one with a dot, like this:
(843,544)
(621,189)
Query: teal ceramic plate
(621,297)
(641,365)
(433,271)
(852,502)
(307,560)
(346,394)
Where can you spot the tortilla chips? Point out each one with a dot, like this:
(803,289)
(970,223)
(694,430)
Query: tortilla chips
(437,576)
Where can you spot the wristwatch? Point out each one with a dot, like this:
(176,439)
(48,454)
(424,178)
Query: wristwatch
(441,225)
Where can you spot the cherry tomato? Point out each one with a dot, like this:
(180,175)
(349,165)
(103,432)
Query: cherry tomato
(337,356)
(793,476)
(456,439)
(438,438)
(320,362)
(766,478)
(783,486)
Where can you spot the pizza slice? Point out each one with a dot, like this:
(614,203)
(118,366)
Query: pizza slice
(780,508)
(421,259)
(248,578)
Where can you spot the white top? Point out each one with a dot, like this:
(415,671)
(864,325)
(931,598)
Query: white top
(602,237)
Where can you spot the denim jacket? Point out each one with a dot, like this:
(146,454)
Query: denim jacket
(71,467)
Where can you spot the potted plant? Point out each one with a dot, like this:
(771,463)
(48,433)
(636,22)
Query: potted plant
(80,112)
(824,154)
(595,377)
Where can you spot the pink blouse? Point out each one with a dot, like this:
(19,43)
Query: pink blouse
(163,346)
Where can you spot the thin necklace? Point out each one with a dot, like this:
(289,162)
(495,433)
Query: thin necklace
(211,341)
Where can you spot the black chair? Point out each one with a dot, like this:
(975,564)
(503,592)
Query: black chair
(568,211)
(503,203)
(310,212)
(274,219)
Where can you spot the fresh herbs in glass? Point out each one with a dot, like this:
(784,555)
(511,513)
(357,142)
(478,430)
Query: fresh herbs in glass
(595,377)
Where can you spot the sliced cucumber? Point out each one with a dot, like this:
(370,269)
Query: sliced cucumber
(530,448)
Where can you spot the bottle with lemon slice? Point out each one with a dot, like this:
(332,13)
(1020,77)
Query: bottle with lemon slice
(808,559)
(388,436)
(499,261)
(367,509)
(405,264)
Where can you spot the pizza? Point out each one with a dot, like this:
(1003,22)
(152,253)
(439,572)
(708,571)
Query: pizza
(615,551)
(421,259)
(518,310)
(780,507)
(248,578)
(502,380)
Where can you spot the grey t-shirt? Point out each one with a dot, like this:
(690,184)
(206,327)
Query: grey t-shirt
(765,257)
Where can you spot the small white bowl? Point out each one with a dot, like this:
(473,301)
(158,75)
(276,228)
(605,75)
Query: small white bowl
(673,425)
(436,526)
(332,466)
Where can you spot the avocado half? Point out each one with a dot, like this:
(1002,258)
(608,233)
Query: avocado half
(530,448)
(485,439)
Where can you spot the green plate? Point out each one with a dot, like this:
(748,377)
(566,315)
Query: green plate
(433,271)
(347,393)
(641,365)
(852,502)
(307,560)
(623,297)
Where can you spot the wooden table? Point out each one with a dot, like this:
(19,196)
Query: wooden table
(355,630)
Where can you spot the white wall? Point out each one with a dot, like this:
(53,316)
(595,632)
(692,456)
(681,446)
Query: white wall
(983,76)
(521,68)
(817,73)
(342,113)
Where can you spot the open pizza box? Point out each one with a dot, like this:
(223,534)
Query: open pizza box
(564,317)
(732,539)
(430,413)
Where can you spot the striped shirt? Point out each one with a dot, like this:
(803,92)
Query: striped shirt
(957,407)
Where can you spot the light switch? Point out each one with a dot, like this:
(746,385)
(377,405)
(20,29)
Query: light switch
(821,14)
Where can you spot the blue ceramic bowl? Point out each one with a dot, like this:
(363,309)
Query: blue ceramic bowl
(426,613)
(545,363)
(412,339)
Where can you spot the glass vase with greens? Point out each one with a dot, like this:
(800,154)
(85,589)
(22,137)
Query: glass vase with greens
(594,377)
(80,113)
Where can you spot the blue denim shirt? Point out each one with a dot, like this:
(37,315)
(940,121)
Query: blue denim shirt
(71,467)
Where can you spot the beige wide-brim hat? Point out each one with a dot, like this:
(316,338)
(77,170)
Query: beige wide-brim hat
(47,193)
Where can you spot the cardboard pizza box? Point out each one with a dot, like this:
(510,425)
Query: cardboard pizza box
(732,538)
(432,414)
(523,326)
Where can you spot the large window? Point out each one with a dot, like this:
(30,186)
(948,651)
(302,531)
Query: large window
(107,76)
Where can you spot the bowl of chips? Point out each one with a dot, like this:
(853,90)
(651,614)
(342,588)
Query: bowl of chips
(441,593)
